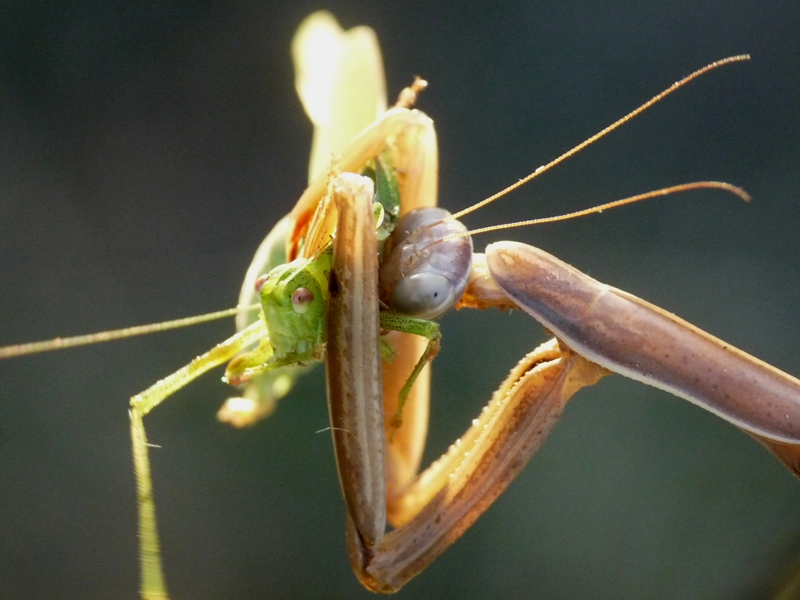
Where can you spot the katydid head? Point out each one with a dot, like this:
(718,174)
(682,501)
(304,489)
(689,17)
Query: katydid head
(294,297)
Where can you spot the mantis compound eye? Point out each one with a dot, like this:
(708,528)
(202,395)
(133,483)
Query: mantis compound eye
(421,275)
(424,295)
(302,299)
(261,281)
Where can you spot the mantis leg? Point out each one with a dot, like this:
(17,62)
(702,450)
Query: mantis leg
(152,578)
(639,340)
(433,510)
(455,490)
(411,138)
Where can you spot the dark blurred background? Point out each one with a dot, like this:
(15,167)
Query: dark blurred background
(147,147)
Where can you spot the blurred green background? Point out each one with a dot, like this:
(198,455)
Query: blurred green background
(147,147)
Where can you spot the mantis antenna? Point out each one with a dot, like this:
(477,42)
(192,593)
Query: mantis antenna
(609,129)
(683,187)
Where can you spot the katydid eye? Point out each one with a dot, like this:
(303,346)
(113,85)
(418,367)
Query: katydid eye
(302,299)
(260,282)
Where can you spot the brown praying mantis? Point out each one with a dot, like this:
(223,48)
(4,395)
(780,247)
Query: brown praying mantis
(548,363)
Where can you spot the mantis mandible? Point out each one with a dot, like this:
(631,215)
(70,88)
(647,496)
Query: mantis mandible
(550,353)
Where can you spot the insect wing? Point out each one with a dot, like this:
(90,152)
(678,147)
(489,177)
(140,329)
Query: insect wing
(340,81)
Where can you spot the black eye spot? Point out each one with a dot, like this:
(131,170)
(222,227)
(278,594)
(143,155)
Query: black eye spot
(260,282)
(302,299)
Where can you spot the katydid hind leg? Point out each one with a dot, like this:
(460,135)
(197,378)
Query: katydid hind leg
(151,570)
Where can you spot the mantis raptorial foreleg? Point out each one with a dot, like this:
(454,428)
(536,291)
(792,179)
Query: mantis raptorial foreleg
(644,342)
(444,501)
(458,488)
(411,138)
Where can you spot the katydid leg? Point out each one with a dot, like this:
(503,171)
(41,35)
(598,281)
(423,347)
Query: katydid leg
(428,330)
(152,578)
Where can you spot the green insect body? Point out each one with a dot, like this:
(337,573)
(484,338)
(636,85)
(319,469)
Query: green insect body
(294,299)
(294,304)
(387,196)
